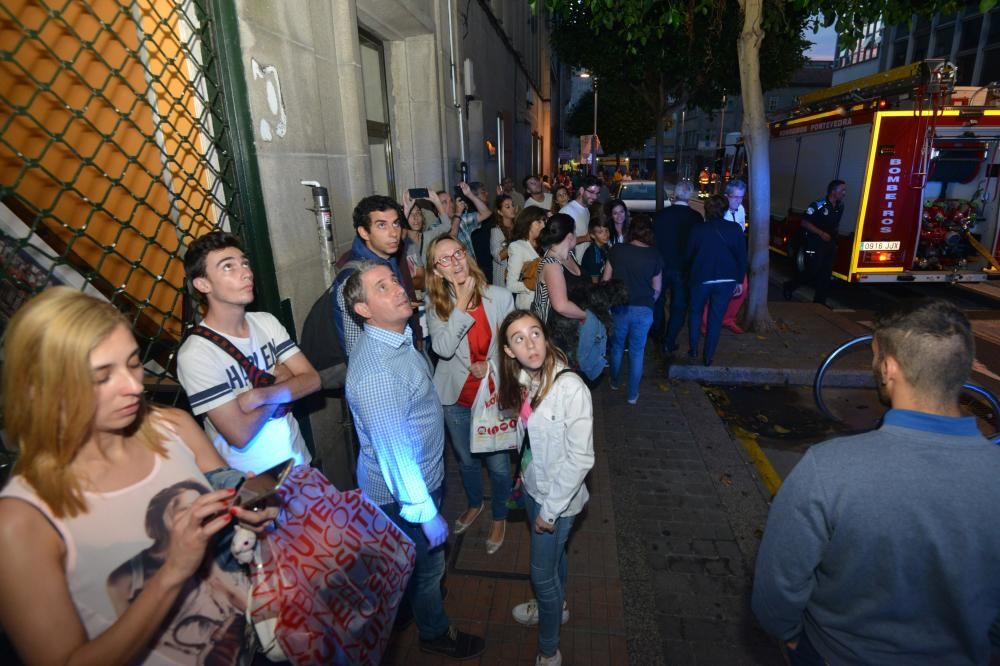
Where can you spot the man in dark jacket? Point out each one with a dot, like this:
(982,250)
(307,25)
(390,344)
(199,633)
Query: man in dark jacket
(672,228)
(378,224)
(819,242)
(717,263)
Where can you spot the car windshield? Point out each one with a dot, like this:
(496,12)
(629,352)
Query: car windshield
(639,191)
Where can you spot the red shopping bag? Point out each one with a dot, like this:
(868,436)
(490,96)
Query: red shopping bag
(328,580)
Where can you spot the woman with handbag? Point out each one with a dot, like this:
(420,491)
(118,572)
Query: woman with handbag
(557,418)
(463,312)
(103,481)
(522,251)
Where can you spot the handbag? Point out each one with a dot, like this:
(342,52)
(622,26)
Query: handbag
(492,429)
(529,273)
(328,579)
(256,376)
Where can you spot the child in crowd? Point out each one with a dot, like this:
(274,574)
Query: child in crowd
(597,252)
(556,416)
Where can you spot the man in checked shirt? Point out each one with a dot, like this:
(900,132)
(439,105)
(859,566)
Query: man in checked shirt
(400,426)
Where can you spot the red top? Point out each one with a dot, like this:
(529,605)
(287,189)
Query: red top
(479,337)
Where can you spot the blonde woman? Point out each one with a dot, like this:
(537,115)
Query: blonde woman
(463,313)
(105,480)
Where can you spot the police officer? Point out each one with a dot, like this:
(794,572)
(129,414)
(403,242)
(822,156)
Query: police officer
(820,224)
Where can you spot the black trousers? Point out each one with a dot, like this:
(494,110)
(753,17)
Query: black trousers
(819,255)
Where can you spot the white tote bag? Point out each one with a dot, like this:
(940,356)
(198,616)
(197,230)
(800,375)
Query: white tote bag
(493,429)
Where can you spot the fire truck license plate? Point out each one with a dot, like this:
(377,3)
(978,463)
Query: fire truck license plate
(870,246)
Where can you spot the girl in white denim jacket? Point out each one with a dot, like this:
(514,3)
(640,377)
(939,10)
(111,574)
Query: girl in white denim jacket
(556,414)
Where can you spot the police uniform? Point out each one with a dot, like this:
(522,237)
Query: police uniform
(819,254)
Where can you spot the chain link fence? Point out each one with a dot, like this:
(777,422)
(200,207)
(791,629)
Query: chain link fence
(117,147)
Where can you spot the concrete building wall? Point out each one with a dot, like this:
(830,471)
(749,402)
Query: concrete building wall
(303,68)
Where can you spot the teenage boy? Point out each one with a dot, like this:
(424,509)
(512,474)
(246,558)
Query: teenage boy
(251,427)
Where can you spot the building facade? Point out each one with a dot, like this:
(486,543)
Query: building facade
(134,127)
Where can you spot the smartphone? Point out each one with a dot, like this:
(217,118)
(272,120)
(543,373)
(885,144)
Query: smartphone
(418,193)
(255,490)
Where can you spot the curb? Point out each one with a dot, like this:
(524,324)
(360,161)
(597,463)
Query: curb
(749,375)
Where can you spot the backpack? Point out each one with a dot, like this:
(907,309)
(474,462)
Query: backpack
(529,273)
(320,342)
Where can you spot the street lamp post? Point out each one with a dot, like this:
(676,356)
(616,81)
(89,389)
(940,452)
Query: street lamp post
(593,139)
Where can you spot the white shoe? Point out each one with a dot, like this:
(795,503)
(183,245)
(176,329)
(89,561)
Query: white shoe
(527,614)
(554,660)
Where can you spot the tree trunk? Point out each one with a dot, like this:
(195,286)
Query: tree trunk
(660,127)
(756,137)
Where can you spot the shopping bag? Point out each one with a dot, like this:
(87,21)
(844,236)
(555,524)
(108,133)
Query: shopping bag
(329,578)
(493,429)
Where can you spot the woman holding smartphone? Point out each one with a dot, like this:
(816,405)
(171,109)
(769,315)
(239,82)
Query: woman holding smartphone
(556,415)
(103,479)
(463,312)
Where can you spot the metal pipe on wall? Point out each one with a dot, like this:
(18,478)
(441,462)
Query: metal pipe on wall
(456,102)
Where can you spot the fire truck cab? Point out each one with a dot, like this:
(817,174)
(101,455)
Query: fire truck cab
(920,159)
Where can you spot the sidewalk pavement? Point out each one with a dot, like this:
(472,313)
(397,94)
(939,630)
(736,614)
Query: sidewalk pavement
(686,507)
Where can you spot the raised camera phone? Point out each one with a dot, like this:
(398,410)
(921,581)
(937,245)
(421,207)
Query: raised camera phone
(255,490)
(419,193)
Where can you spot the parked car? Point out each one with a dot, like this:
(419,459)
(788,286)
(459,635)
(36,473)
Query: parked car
(640,195)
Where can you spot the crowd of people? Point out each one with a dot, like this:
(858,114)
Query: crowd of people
(443,307)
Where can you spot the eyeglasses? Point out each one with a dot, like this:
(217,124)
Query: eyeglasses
(449,259)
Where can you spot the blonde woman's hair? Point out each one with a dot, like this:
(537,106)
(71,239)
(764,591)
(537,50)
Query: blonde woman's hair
(48,391)
(439,291)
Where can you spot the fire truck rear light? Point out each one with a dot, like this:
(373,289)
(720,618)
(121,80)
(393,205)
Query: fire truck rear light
(881,104)
(883,256)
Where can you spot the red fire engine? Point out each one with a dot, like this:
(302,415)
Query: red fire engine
(920,159)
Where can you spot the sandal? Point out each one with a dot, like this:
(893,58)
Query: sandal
(472,513)
(491,545)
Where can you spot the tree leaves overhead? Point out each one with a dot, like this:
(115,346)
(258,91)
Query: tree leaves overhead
(686,48)
(621,125)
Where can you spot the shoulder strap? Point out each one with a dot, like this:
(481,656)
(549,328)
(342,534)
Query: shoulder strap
(257,376)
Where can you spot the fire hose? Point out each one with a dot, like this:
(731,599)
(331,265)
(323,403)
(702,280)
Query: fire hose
(975,389)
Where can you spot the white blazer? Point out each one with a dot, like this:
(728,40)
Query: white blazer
(449,339)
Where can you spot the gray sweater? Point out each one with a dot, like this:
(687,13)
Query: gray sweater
(885,547)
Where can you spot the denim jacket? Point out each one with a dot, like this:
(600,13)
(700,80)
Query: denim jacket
(562,446)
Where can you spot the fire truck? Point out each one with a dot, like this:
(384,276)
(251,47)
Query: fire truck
(919,156)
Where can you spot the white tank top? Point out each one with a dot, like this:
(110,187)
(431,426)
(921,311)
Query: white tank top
(111,551)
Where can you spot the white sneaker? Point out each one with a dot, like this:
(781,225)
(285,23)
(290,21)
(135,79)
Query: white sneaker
(554,660)
(527,614)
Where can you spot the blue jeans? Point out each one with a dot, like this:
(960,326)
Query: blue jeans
(632,323)
(458,420)
(717,295)
(548,575)
(674,281)
(423,592)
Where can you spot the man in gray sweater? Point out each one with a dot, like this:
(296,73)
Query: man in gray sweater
(884,548)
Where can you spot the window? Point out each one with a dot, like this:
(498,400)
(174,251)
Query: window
(772,103)
(966,64)
(991,67)
(920,46)
(971,27)
(942,41)
(993,34)
(899,52)
(377,114)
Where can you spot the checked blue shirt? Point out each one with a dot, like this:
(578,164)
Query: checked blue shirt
(399,421)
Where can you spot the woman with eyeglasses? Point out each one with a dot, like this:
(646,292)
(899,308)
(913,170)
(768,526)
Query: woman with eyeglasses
(463,312)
